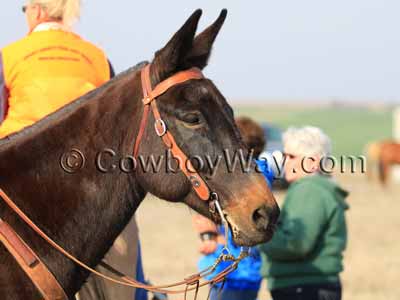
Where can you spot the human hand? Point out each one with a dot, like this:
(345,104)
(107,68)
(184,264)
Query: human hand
(202,224)
(210,244)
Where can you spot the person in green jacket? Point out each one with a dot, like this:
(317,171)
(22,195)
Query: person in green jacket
(305,256)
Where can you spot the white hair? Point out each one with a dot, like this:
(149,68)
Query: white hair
(67,11)
(307,141)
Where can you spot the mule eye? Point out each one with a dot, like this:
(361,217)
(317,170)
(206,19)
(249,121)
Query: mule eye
(192,119)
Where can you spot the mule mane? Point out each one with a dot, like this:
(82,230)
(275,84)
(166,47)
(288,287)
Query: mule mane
(52,118)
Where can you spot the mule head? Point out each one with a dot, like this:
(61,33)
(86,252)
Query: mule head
(202,123)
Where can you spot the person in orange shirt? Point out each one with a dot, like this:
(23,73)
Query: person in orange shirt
(39,74)
(48,68)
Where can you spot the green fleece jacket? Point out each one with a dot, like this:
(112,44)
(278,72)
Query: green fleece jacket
(311,236)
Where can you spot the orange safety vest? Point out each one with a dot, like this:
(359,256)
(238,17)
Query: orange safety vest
(45,71)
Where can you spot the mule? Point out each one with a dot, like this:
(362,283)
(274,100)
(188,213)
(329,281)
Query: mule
(85,211)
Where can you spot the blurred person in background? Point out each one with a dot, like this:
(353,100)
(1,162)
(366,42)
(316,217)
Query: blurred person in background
(305,256)
(50,67)
(42,72)
(243,283)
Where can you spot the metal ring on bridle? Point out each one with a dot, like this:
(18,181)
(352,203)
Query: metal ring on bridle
(163,127)
(214,197)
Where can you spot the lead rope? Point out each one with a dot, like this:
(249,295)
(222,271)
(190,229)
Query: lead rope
(225,253)
(224,256)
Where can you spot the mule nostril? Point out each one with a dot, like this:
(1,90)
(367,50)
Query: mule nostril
(274,213)
(261,218)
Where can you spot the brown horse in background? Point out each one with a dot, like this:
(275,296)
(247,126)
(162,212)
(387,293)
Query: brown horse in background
(372,152)
(85,212)
(389,155)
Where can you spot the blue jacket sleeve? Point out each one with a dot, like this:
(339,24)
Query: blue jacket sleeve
(264,168)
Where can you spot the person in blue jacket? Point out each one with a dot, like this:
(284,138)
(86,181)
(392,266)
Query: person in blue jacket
(245,281)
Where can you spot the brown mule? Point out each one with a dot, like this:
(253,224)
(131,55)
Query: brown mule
(85,211)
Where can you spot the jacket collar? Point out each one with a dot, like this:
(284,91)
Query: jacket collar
(51,26)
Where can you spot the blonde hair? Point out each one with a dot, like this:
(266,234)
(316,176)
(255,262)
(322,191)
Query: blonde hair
(67,11)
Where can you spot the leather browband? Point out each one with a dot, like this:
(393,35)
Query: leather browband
(161,88)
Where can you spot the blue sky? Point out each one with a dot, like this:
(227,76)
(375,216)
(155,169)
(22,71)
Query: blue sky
(267,50)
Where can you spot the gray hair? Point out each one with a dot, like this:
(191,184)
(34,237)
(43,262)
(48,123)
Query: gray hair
(307,140)
(67,11)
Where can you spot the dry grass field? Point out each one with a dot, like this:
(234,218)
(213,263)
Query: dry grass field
(372,259)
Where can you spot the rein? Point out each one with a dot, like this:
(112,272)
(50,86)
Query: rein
(42,278)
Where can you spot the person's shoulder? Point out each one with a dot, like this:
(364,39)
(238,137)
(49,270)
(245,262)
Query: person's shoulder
(310,187)
(14,52)
(15,45)
(90,44)
(321,189)
(308,183)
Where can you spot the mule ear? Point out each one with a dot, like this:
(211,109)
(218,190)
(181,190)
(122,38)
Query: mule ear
(170,59)
(202,44)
